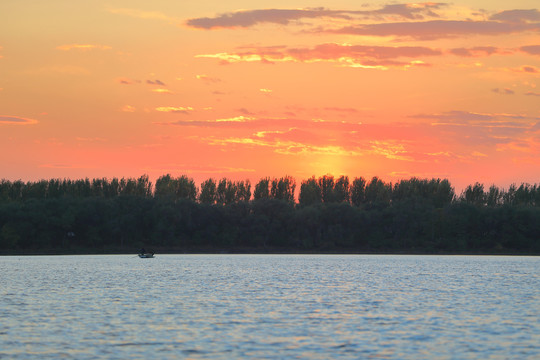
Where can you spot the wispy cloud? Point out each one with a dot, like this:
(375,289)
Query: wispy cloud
(504,91)
(82,47)
(297,142)
(528,69)
(16,120)
(437,29)
(207,79)
(284,146)
(458,117)
(517,16)
(344,54)
(483,129)
(420,21)
(155,82)
(224,122)
(478,51)
(126,81)
(162,91)
(531,49)
(175,109)
(248,18)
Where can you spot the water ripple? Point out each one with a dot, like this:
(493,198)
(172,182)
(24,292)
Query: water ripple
(267,307)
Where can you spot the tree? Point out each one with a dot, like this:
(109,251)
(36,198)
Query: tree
(378,192)
(436,191)
(310,192)
(358,191)
(474,194)
(208,192)
(283,189)
(342,189)
(175,188)
(326,184)
(243,191)
(262,189)
(493,197)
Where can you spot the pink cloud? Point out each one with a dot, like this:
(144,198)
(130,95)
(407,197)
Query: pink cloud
(346,55)
(16,120)
(478,51)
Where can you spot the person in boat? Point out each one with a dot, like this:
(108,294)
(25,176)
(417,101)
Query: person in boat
(142,251)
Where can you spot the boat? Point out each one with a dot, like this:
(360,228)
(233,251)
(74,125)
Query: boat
(146,256)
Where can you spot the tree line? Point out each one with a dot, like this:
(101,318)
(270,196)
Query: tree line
(329,214)
(324,189)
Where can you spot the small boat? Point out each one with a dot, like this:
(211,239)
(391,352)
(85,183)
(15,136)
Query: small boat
(146,256)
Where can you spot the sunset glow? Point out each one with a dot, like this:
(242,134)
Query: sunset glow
(245,90)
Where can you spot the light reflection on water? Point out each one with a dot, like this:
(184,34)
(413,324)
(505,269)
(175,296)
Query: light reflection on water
(269,306)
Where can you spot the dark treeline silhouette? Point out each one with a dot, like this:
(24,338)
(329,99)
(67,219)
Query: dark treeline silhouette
(330,215)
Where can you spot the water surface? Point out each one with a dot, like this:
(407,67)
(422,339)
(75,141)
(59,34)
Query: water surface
(270,306)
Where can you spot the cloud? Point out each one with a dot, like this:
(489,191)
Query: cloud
(82,47)
(504,91)
(162,91)
(478,51)
(124,81)
(284,146)
(531,49)
(341,110)
(247,18)
(421,21)
(458,117)
(495,127)
(155,82)
(245,111)
(16,120)
(297,142)
(94,139)
(482,132)
(517,16)
(394,150)
(207,79)
(531,93)
(437,29)
(233,121)
(529,69)
(175,109)
(344,54)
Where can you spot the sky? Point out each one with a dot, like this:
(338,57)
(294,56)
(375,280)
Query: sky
(253,89)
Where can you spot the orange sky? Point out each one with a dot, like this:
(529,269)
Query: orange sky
(244,89)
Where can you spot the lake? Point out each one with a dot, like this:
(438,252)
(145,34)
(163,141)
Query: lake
(269,307)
